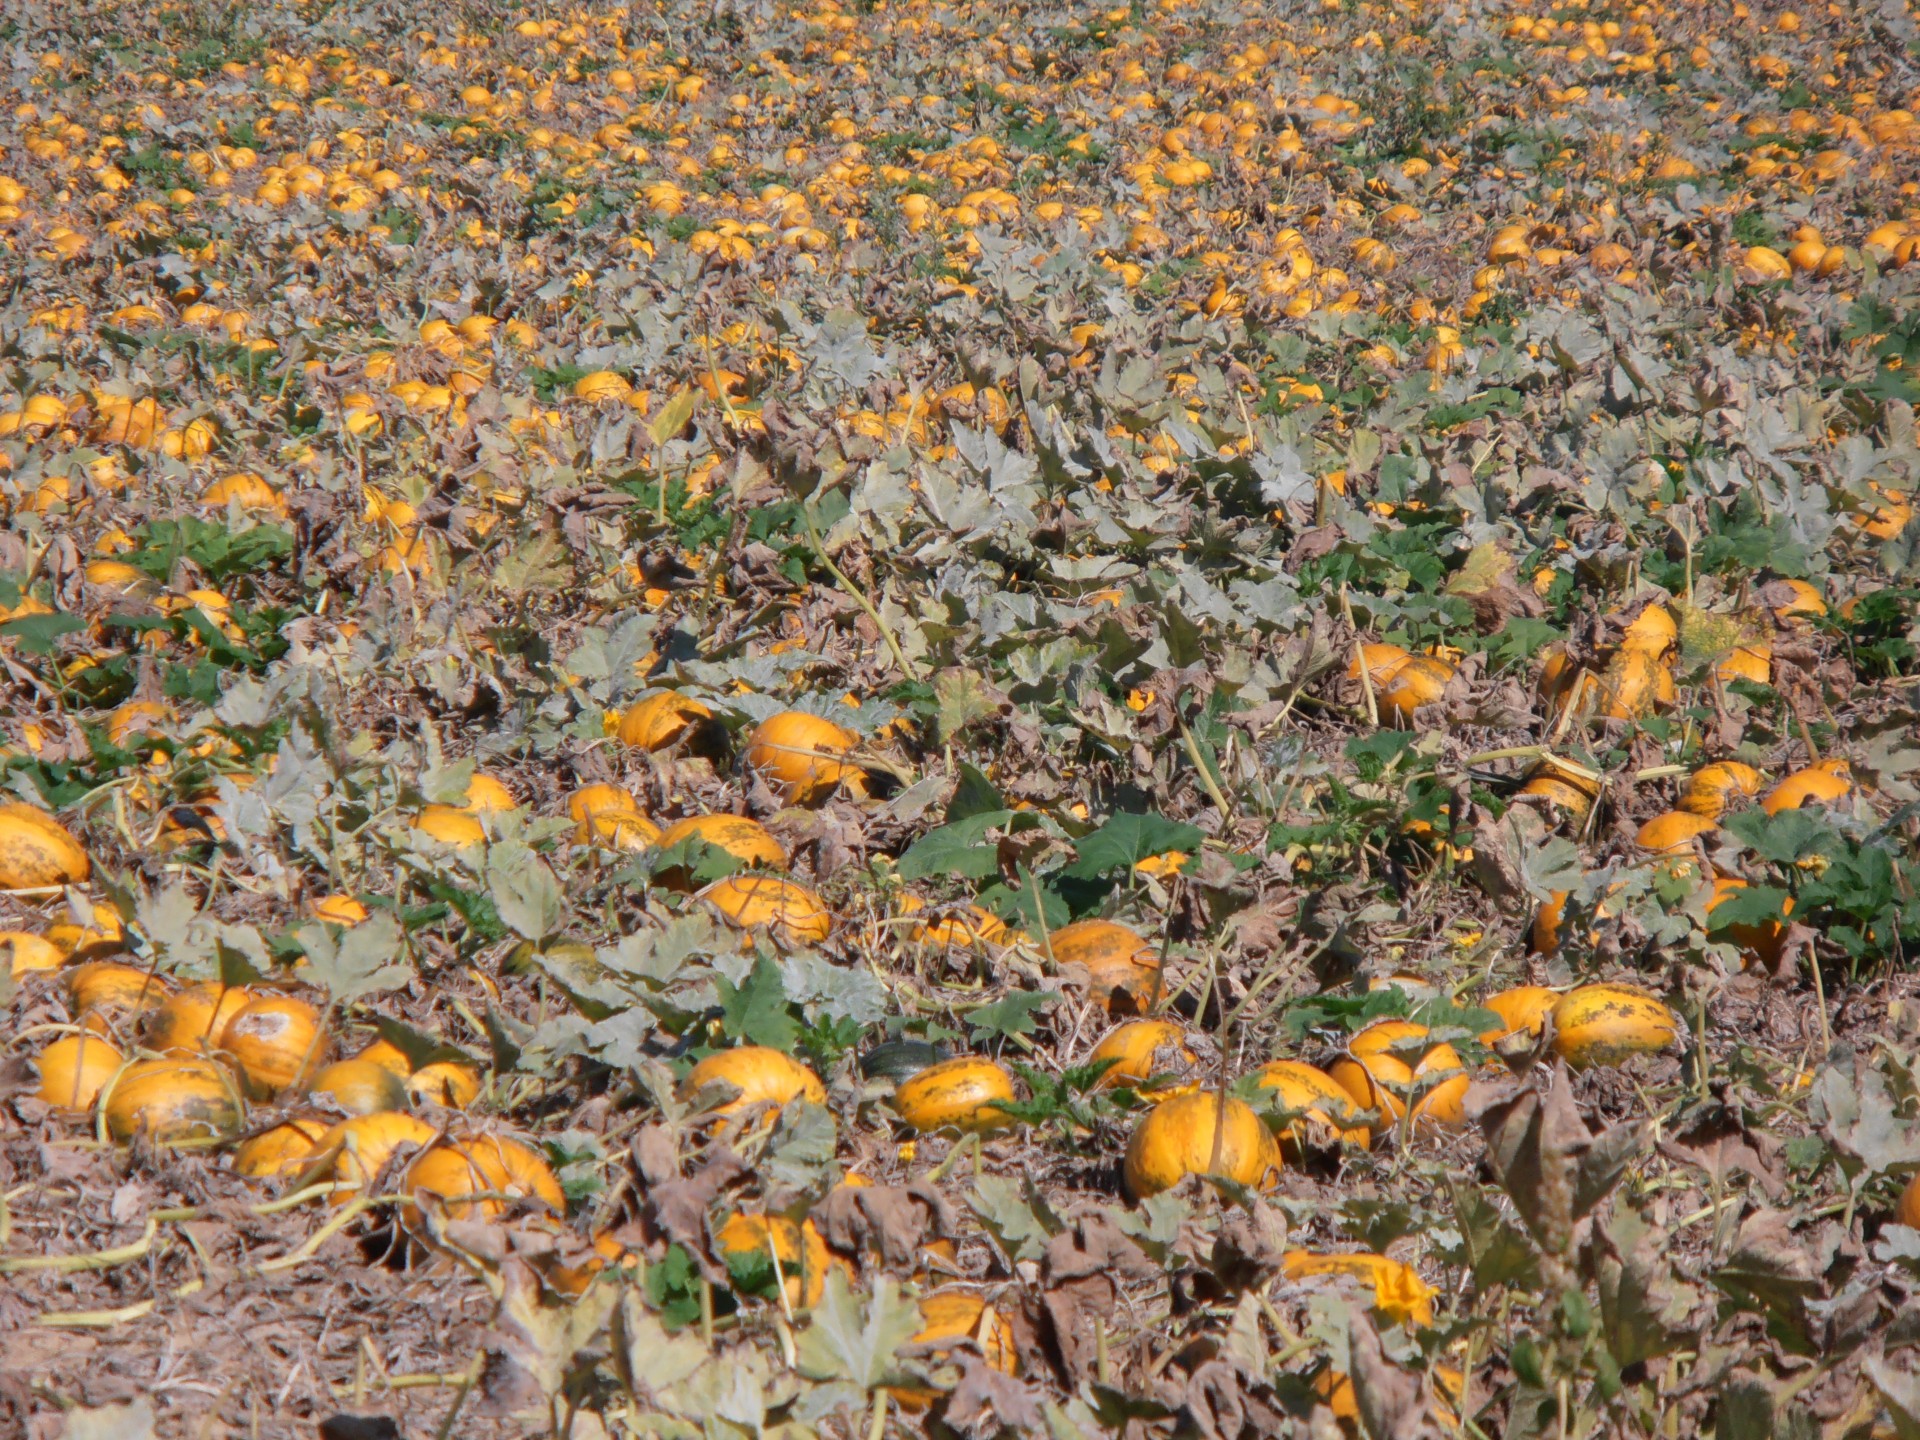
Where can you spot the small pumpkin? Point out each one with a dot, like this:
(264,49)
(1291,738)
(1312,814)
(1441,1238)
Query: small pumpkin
(37,851)
(801,1255)
(799,755)
(75,1068)
(1712,788)
(277,1042)
(660,719)
(761,1076)
(451,825)
(962,1094)
(1321,1100)
(789,910)
(1608,1024)
(1140,1050)
(1673,832)
(1399,1294)
(446,1083)
(1823,782)
(748,841)
(955,1315)
(1176,1139)
(29,954)
(1522,1009)
(353,1153)
(1120,965)
(172,1102)
(190,1022)
(360,1087)
(279,1149)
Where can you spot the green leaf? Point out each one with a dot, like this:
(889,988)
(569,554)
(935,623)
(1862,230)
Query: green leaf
(37,633)
(960,697)
(850,1341)
(1127,839)
(1016,1214)
(974,795)
(757,1011)
(1749,905)
(955,849)
(1012,1014)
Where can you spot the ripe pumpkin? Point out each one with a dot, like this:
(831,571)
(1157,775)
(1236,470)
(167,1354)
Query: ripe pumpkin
(277,1042)
(1176,1139)
(1422,681)
(1141,1049)
(1635,683)
(37,851)
(791,911)
(190,1023)
(1381,661)
(797,755)
(1652,632)
(1522,1008)
(341,910)
(388,1057)
(75,1068)
(451,825)
(1571,788)
(958,1094)
(1761,942)
(1824,782)
(591,800)
(353,1153)
(360,1087)
(966,929)
(487,795)
(1120,964)
(477,1178)
(1803,600)
(748,841)
(173,1102)
(1608,1024)
(801,1254)
(1547,919)
(660,719)
(280,1149)
(760,1074)
(1907,1210)
(1319,1097)
(619,830)
(1673,832)
(109,996)
(447,1083)
(957,1315)
(1753,662)
(1377,1079)
(1399,1294)
(30,954)
(1711,788)
(102,934)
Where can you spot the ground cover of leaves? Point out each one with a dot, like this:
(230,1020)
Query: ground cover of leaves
(1057,400)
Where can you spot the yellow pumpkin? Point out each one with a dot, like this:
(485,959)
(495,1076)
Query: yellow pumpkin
(360,1087)
(660,719)
(1712,787)
(1377,1079)
(760,1075)
(172,1102)
(1608,1024)
(451,825)
(1319,1097)
(800,1253)
(446,1083)
(353,1153)
(790,911)
(1399,1294)
(277,1042)
(487,795)
(1673,832)
(1524,1008)
(190,1023)
(963,1094)
(108,996)
(1420,682)
(1176,1139)
(1824,782)
(798,755)
(1651,632)
(76,1068)
(1121,966)
(748,841)
(1140,1050)
(958,1315)
(478,1178)
(341,910)
(30,954)
(36,850)
(276,1151)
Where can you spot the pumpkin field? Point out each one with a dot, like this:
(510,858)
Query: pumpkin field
(862,718)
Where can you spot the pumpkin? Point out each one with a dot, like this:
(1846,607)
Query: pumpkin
(360,1087)
(591,800)
(1907,1210)
(1569,786)
(1320,1099)
(748,841)
(660,719)
(277,1042)
(1377,1078)
(1399,1294)
(190,1023)
(1422,681)
(341,910)
(1634,684)
(451,825)
(1673,832)
(477,1178)
(446,1083)
(797,755)
(1176,1139)
(1547,918)
(1522,1009)
(966,929)
(30,954)
(353,1153)
(1824,782)
(1120,965)
(958,1094)
(1651,632)
(76,1068)
(388,1057)
(281,1148)
(955,1315)
(107,995)
(791,911)
(800,1253)
(760,1075)
(1712,787)
(1140,1050)
(1762,941)
(36,850)
(172,1102)
(1607,1024)
(487,795)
